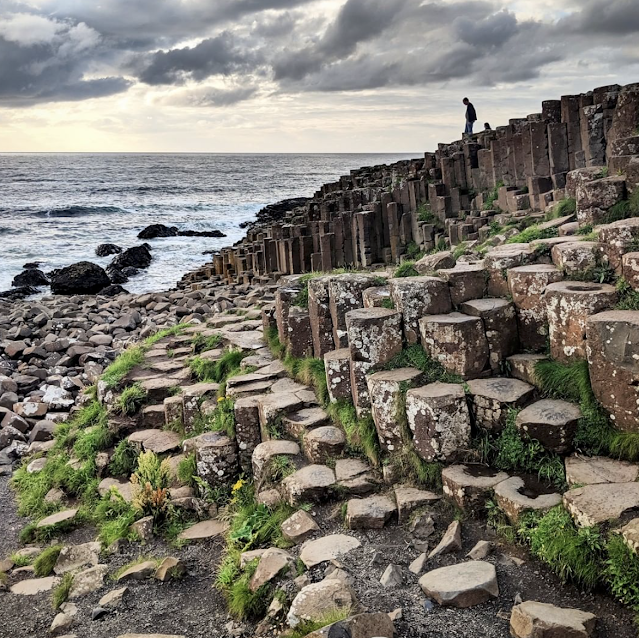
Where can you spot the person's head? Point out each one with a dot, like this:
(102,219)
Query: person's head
(466,101)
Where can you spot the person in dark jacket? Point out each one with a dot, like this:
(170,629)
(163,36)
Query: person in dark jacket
(471,116)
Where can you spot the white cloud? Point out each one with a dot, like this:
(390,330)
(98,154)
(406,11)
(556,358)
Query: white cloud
(26,29)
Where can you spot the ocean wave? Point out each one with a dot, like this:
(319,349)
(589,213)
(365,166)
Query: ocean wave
(76,211)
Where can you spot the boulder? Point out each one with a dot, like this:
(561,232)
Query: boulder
(299,526)
(88,581)
(272,563)
(463,585)
(369,513)
(450,542)
(516,495)
(158,230)
(31,277)
(592,470)
(83,278)
(372,625)
(541,620)
(327,548)
(314,601)
(470,486)
(312,483)
(105,250)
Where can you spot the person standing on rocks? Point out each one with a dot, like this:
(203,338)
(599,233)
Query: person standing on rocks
(471,116)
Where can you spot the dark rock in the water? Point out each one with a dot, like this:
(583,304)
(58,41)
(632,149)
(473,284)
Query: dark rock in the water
(201,233)
(98,613)
(18,293)
(83,278)
(160,230)
(104,250)
(30,277)
(136,257)
(31,264)
(121,276)
(113,290)
(276,212)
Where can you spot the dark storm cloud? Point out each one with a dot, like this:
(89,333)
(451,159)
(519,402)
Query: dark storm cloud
(214,56)
(249,47)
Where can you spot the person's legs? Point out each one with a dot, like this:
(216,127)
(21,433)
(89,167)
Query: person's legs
(469,128)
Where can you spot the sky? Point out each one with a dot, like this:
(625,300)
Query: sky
(294,75)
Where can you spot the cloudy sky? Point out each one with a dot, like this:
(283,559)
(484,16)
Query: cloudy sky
(294,75)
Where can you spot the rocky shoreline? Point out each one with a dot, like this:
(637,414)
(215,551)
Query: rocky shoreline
(405,407)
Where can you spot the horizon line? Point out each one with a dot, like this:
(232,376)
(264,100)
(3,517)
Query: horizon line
(209,153)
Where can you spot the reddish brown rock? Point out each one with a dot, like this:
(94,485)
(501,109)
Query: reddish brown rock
(613,360)
(527,285)
(415,297)
(470,486)
(577,257)
(568,306)
(299,338)
(617,239)
(551,422)
(499,260)
(457,341)
(438,416)
(320,314)
(465,281)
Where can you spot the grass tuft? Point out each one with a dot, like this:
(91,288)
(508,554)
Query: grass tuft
(131,400)
(308,627)
(124,459)
(406,269)
(45,562)
(62,590)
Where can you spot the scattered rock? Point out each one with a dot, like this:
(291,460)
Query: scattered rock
(318,599)
(451,541)
(540,620)
(392,576)
(463,585)
(327,548)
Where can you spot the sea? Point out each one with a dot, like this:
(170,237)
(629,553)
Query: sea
(56,209)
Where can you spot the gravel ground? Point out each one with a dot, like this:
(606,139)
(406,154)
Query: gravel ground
(193,608)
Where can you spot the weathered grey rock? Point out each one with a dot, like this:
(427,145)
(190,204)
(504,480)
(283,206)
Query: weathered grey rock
(481,550)
(204,530)
(418,565)
(540,620)
(299,526)
(409,499)
(450,542)
(373,625)
(34,586)
(75,557)
(591,470)
(87,581)
(272,563)
(490,400)
(318,599)
(312,483)
(355,477)
(392,577)
(463,585)
(65,516)
(512,498)
(327,548)
(551,422)
(439,419)
(369,513)
(470,486)
(140,571)
(114,598)
(268,450)
(324,443)
(594,504)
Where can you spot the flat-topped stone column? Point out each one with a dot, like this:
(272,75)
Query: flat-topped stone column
(551,422)
(613,362)
(527,285)
(385,390)
(320,315)
(416,297)
(457,341)
(439,420)
(568,306)
(499,260)
(374,335)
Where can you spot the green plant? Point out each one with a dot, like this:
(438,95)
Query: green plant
(114,517)
(533,233)
(460,250)
(416,357)
(311,371)
(223,418)
(243,603)
(563,208)
(574,554)
(492,196)
(280,467)
(361,434)
(21,560)
(45,562)
(388,303)
(301,299)
(124,459)
(628,297)
(413,252)
(308,627)
(200,343)
(131,357)
(586,229)
(622,572)
(131,400)
(217,371)
(151,482)
(187,470)
(406,269)
(62,590)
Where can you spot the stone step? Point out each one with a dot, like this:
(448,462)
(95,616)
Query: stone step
(303,421)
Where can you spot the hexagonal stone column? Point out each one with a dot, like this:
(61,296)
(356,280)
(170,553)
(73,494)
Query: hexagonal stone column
(553,423)
(499,260)
(490,400)
(312,483)
(517,495)
(471,485)
(320,315)
(595,198)
(457,341)
(345,294)
(385,390)
(247,429)
(284,297)
(568,306)
(264,452)
(613,361)
(338,374)
(377,297)
(324,443)
(415,297)
(500,325)
(216,457)
(439,420)
(617,239)
(575,257)
(374,334)
(299,338)
(527,285)
(465,282)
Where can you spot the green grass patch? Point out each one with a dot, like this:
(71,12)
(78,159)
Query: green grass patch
(200,343)
(115,373)
(406,269)
(492,197)
(131,400)
(151,481)
(45,562)
(595,434)
(413,251)
(563,208)
(223,418)
(62,591)
(114,517)
(622,572)
(459,250)
(124,459)
(533,233)
(388,303)
(209,371)
(187,470)
(308,627)
(361,434)
(628,296)
(416,357)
